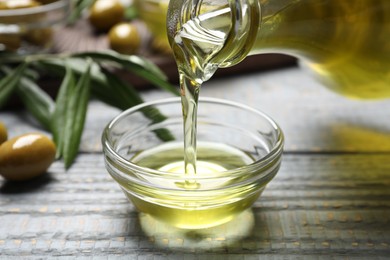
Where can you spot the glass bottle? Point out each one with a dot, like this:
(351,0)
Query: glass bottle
(346,44)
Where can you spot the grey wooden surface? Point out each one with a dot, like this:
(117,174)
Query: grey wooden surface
(330,199)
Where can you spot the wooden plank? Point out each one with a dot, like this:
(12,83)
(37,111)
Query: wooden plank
(318,204)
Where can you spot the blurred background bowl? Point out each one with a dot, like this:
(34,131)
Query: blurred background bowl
(28,26)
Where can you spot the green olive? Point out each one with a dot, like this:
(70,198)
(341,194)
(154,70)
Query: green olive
(106,13)
(10,42)
(3,133)
(39,37)
(25,157)
(16,4)
(124,38)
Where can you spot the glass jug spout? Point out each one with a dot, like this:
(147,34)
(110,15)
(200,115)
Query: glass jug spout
(207,34)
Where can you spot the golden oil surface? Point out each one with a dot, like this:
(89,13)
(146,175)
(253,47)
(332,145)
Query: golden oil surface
(193,203)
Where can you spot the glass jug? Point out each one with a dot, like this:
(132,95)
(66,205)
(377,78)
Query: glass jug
(346,44)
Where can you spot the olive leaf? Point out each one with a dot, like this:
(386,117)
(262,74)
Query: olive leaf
(136,64)
(79,6)
(60,113)
(10,82)
(37,101)
(32,74)
(124,89)
(131,12)
(69,115)
(100,86)
(75,122)
(7,57)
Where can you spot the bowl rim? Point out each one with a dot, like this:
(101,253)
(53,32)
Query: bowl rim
(270,157)
(58,4)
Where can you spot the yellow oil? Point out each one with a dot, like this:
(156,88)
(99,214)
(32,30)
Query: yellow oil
(345,43)
(204,201)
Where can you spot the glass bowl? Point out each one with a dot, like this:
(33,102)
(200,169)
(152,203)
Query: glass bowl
(30,29)
(239,151)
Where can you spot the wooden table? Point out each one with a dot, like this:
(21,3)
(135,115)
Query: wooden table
(331,198)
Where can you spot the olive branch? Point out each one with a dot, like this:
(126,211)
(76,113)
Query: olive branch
(82,75)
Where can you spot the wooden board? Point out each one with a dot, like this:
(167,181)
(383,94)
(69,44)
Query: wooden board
(311,209)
